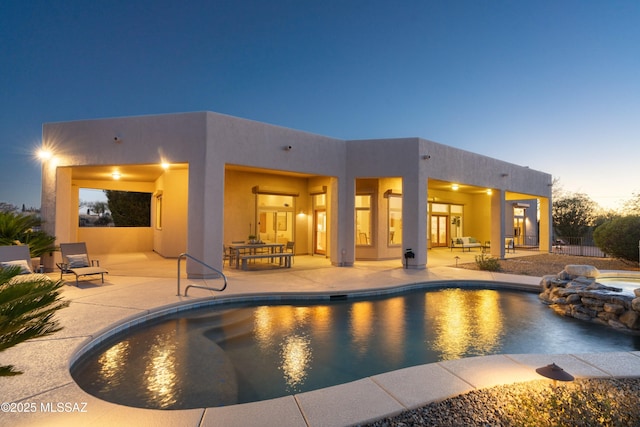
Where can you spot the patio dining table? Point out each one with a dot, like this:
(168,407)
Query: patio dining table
(237,250)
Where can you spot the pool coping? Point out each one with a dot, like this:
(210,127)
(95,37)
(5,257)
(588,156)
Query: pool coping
(352,403)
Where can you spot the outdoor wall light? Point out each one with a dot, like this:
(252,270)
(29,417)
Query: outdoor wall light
(454,187)
(287,148)
(117,139)
(165,165)
(489,192)
(426,157)
(115,175)
(44,154)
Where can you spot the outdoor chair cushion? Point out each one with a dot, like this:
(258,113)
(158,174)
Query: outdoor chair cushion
(78,261)
(25,268)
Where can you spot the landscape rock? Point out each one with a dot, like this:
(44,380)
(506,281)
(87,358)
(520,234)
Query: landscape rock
(581,270)
(575,292)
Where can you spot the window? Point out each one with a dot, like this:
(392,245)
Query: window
(112,208)
(276,218)
(363,220)
(395,219)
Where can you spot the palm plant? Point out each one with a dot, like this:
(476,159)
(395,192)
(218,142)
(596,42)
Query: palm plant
(25,229)
(26,310)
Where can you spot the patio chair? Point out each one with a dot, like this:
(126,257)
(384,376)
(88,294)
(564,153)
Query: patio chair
(510,246)
(227,255)
(289,247)
(19,256)
(75,259)
(16,256)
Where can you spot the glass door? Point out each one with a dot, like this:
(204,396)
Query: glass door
(320,227)
(439,229)
(518,231)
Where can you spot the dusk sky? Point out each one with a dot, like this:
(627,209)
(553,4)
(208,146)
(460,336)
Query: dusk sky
(553,85)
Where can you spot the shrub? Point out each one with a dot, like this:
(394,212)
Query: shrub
(26,310)
(619,237)
(487,263)
(25,229)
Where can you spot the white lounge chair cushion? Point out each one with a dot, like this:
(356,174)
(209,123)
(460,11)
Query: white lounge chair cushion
(78,261)
(25,268)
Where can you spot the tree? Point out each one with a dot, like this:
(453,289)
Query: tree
(99,207)
(26,310)
(129,208)
(632,206)
(7,207)
(619,237)
(573,215)
(25,229)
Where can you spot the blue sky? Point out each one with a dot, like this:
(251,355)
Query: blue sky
(553,85)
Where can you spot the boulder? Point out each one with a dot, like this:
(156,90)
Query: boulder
(631,319)
(574,292)
(613,308)
(581,270)
(573,299)
(592,302)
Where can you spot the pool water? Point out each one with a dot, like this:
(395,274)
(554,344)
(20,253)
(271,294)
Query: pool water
(626,284)
(240,353)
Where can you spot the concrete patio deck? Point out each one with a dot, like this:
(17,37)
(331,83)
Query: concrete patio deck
(141,283)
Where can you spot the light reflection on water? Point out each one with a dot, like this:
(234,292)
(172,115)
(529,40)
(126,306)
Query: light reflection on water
(296,357)
(477,329)
(361,326)
(160,374)
(110,362)
(235,354)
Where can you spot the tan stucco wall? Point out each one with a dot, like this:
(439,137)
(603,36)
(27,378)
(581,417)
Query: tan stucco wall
(215,208)
(171,240)
(110,240)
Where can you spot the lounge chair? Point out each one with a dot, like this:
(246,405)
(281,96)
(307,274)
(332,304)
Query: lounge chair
(75,259)
(19,256)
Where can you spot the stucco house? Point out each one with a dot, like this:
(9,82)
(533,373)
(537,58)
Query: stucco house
(214,179)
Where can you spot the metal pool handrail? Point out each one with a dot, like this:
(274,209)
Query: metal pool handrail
(186,255)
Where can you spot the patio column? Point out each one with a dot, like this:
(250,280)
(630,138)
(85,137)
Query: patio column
(205,217)
(414,221)
(545,236)
(498,222)
(342,246)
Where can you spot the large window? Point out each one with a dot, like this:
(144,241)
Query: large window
(395,219)
(276,218)
(111,208)
(363,220)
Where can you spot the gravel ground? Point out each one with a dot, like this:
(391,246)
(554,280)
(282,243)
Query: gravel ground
(541,265)
(585,402)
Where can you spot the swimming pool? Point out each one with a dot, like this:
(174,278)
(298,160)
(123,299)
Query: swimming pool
(236,353)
